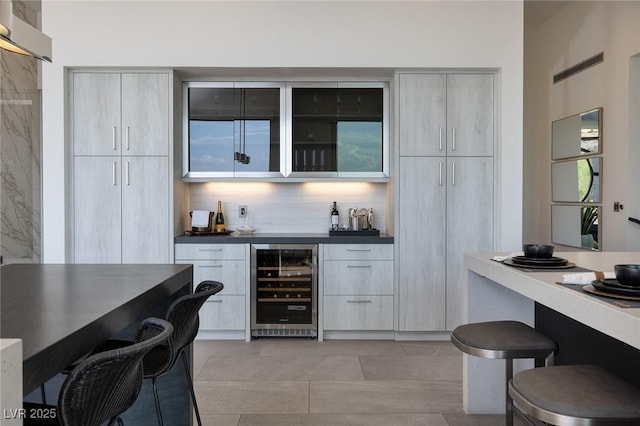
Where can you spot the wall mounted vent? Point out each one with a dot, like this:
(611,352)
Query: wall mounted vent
(587,63)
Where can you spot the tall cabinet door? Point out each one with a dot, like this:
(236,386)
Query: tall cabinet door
(469,223)
(96,189)
(145,210)
(422,119)
(145,114)
(470,114)
(96,114)
(422,249)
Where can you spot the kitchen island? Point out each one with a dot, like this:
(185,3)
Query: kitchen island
(496,291)
(61,312)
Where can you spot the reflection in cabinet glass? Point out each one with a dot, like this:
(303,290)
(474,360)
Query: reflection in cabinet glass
(338,129)
(233,129)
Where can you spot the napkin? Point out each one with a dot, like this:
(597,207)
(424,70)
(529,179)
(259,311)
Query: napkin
(587,277)
(200,218)
(509,256)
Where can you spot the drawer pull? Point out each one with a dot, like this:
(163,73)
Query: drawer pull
(217,249)
(358,301)
(368,249)
(210,266)
(216,300)
(358,266)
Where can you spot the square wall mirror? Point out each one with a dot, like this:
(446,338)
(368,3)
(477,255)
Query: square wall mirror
(577,181)
(577,135)
(576,226)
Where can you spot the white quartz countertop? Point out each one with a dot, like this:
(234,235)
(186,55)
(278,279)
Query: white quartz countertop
(542,287)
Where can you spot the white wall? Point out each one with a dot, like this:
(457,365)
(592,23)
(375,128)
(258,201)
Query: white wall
(577,32)
(376,34)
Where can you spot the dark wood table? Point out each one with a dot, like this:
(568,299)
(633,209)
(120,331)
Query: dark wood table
(61,312)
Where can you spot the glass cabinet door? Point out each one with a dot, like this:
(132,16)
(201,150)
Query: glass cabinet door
(339,130)
(233,130)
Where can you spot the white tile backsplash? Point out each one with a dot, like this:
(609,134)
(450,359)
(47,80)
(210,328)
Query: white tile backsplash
(289,207)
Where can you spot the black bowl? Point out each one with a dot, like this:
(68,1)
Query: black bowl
(539,251)
(628,274)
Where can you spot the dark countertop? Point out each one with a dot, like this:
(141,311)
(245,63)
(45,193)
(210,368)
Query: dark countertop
(63,311)
(282,238)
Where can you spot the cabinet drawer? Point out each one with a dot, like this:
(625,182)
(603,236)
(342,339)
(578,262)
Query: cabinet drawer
(223,313)
(231,273)
(358,252)
(358,313)
(210,251)
(358,277)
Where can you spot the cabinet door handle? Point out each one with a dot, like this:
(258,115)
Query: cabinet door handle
(440,173)
(126,140)
(440,138)
(453,173)
(358,266)
(453,139)
(358,249)
(126,173)
(358,301)
(113,138)
(209,266)
(113,170)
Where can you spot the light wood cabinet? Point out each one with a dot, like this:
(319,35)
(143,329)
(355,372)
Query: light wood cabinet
(446,114)
(445,196)
(225,311)
(358,287)
(121,177)
(116,113)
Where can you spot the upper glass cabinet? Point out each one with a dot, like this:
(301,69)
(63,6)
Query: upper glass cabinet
(338,130)
(233,130)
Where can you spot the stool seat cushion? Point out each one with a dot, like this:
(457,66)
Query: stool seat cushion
(502,339)
(578,391)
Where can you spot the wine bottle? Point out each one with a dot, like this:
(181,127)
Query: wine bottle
(335,217)
(219,227)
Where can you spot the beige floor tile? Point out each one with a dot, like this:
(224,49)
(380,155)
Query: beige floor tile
(205,349)
(477,420)
(412,368)
(220,420)
(343,420)
(437,348)
(239,397)
(282,368)
(385,397)
(308,347)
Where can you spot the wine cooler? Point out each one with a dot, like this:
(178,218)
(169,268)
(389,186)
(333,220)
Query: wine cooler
(284,290)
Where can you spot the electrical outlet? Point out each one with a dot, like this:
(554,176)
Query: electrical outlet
(242,211)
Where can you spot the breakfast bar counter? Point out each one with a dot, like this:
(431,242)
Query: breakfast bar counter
(497,291)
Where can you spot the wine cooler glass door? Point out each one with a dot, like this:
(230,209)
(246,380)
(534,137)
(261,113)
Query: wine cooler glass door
(284,286)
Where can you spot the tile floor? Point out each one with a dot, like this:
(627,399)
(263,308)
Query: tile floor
(290,382)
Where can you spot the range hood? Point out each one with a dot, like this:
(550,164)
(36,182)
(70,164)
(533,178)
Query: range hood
(19,37)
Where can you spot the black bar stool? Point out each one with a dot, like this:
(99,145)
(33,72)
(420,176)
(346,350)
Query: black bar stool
(576,395)
(506,340)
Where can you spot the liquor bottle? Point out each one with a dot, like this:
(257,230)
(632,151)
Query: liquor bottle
(219,227)
(335,217)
